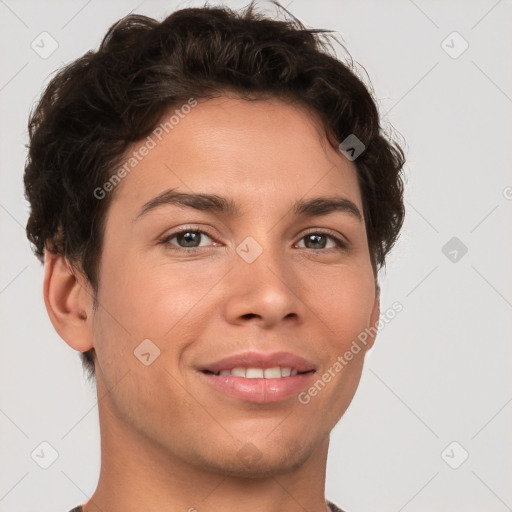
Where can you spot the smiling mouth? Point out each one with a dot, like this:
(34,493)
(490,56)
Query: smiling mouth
(259,385)
(259,373)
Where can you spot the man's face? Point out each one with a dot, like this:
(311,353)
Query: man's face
(203,297)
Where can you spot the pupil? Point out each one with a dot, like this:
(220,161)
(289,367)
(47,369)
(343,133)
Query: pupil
(190,237)
(315,239)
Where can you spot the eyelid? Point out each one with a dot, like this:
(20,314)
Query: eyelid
(340,241)
(338,238)
(184,229)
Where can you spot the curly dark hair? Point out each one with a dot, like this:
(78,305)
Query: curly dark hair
(95,108)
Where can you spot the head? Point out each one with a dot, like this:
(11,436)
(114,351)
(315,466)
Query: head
(250,111)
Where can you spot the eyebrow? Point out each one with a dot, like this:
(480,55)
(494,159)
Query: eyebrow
(318,206)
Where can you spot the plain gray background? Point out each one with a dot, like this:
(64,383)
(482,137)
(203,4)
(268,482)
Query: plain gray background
(440,371)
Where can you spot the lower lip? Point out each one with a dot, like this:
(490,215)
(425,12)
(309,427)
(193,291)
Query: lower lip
(259,390)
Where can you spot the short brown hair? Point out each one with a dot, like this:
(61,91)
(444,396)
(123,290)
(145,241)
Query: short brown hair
(100,104)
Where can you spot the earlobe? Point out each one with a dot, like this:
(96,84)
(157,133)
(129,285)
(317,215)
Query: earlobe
(68,302)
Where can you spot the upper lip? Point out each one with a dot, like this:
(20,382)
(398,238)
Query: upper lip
(252,359)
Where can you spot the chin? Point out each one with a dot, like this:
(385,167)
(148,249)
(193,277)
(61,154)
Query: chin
(252,462)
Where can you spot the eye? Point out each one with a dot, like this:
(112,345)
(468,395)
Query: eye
(186,238)
(318,240)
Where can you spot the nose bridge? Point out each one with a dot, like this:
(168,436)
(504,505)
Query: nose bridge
(262,257)
(262,282)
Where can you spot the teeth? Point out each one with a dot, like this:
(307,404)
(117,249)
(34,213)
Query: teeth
(259,373)
(254,373)
(272,373)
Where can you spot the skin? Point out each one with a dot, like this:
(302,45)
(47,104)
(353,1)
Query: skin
(168,440)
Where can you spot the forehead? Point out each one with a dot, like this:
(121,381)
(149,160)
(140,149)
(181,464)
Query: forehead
(252,150)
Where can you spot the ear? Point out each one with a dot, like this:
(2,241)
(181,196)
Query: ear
(68,301)
(374,318)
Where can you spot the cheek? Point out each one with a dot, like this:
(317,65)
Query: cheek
(160,301)
(344,300)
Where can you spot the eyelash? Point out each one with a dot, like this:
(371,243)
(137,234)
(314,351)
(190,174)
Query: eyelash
(341,244)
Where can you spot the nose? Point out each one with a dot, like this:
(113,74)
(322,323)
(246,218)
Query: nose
(266,292)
